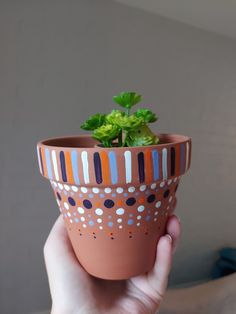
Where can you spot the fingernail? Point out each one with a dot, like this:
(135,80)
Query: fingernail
(169,238)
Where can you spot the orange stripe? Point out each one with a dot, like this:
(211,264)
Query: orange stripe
(105,167)
(177,160)
(44,162)
(69,172)
(148,166)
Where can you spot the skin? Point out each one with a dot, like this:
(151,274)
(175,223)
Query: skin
(73,290)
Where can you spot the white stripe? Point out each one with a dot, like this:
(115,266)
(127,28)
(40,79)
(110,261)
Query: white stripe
(84,157)
(54,161)
(128,166)
(39,160)
(164,163)
(187,156)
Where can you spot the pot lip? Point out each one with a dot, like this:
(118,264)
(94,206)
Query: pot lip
(46,142)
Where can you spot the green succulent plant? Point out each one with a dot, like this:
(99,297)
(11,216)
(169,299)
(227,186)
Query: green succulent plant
(121,128)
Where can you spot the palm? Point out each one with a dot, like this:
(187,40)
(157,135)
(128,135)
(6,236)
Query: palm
(75,291)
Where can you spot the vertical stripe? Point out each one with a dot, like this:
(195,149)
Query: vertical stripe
(48,161)
(63,166)
(113,167)
(172,161)
(164,163)
(141,167)
(155,162)
(75,167)
(128,166)
(97,167)
(148,165)
(182,154)
(187,156)
(44,161)
(54,162)
(177,160)
(105,167)
(84,157)
(39,160)
(69,167)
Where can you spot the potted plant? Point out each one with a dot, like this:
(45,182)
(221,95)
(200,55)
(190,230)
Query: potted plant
(116,187)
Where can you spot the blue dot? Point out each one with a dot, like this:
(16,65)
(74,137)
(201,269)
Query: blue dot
(76,220)
(71,201)
(90,195)
(109,217)
(110,223)
(80,195)
(130,221)
(125,194)
(113,194)
(91,223)
(148,217)
(101,195)
(130,215)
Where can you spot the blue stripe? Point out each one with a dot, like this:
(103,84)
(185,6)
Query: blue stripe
(113,167)
(164,163)
(182,158)
(63,166)
(48,162)
(75,166)
(155,161)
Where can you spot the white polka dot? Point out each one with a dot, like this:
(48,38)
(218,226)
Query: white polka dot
(95,190)
(162,184)
(66,187)
(153,186)
(170,199)
(66,205)
(138,224)
(80,210)
(99,211)
(156,213)
(60,186)
(74,188)
(175,179)
(141,208)
(58,203)
(99,220)
(120,227)
(131,189)
(84,189)
(142,187)
(139,217)
(119,190)
(119,220)
(169,182)
(101,227)
(69,214)
(54,183)
(158,204)
(107,190)
(155,219)
(120,211)
(84,225)
(82,218)
(71,221)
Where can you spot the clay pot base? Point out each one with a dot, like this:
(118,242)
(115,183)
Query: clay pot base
(109,226)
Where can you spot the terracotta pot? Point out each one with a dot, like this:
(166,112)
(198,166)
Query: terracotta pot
(115,201)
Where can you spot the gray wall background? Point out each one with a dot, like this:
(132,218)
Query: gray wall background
(62,60)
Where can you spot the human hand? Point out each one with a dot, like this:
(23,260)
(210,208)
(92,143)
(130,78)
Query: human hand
(73,290)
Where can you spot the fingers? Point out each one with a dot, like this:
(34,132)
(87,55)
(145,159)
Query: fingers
(174,230)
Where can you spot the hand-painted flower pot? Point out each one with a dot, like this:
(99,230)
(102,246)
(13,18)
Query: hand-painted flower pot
(115,201)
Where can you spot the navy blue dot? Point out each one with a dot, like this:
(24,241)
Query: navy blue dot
(151,198)
(71,201)
(87,204)
(131,201)
(59,196)
(109,203)
(166,193)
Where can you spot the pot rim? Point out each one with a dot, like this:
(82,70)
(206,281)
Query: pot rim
(49,142)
